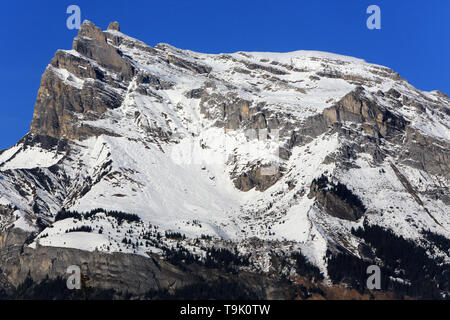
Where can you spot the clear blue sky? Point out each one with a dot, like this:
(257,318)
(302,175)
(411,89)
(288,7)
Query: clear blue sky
(414,39)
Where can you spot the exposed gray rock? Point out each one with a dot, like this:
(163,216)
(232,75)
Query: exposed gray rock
(426,153)
(255,66)
(354,107)
(91,43)
(153,81)
(195,93)
(58,104)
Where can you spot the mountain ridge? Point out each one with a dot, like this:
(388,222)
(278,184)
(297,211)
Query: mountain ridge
(184,140)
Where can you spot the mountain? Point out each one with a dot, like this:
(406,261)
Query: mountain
(156,168)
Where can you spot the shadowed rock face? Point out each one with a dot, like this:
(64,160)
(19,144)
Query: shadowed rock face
(124,273)
(336,200)
(233,113)
(121,272)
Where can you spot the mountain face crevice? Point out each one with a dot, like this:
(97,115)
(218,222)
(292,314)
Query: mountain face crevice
(185,167)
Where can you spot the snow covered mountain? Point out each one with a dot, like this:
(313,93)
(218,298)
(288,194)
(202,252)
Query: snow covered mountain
(266,153)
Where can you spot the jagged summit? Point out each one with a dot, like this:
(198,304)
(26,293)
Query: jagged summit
(114,26)
(169,135)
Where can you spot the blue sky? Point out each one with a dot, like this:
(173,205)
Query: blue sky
(414,39)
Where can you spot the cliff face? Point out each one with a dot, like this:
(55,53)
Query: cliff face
(118,271)
(127,275)
(64,96)
(262,154)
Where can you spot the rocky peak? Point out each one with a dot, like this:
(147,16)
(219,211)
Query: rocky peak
(91,43)
(91,31)
(82,83)
(114,26)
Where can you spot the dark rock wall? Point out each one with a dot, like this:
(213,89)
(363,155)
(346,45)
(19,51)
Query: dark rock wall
(125,273)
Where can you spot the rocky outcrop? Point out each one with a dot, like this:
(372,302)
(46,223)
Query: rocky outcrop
(153,81)
(91,43)
(6,210)
(233,113)
(336,200)
(80,84)
(418,150)
(6,216)
(426,153)
(188,65)
(256,66)
(376,120)
(254,178)
(114,26)
(58,106)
